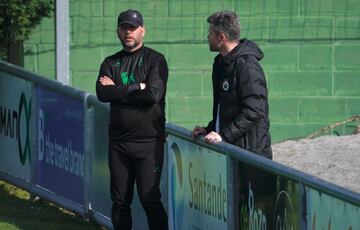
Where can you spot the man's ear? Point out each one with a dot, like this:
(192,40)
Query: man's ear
(143,31)
(222,36)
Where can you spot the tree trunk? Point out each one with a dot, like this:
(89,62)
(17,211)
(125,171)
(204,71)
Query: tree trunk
(15,53)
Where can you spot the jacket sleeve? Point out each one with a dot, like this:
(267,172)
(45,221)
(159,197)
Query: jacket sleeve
(155,84)
(252,91)
(211,125)
(112,93)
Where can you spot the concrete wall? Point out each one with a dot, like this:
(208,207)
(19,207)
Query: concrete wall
(312,55)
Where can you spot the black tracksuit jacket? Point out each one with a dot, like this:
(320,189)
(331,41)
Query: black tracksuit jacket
(239,86)
(135,115)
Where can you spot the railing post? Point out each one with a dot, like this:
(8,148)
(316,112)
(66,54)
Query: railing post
(232,188)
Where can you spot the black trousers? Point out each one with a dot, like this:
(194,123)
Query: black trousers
(140,162)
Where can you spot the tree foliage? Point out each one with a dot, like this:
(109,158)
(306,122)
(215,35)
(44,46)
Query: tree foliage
(18,18)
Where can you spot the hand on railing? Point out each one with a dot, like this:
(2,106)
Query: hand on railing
(212,137)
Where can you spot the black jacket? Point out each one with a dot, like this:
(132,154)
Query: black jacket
(135,115)
(239,86)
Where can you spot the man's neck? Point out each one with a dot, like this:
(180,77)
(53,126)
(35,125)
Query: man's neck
(228,47)
(133,49)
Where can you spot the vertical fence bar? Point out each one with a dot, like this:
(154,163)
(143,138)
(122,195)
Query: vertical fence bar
(231,193)
(88,127)
(34,138)
(62,41)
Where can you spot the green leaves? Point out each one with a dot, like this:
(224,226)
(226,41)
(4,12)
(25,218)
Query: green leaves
(18,18)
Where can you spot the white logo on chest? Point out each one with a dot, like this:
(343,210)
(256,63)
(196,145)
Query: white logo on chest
(225,85)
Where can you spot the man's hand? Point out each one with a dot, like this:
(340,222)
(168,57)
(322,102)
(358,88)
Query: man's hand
(213,138)
(197,131)
(105,80)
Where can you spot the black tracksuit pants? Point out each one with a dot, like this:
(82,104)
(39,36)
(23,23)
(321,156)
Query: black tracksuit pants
(129,161)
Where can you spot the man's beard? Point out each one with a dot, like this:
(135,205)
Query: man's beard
(213,48)
(130,47)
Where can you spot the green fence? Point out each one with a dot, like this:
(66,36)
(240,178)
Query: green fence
(312,55)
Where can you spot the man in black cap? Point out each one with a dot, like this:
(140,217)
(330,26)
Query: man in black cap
(134,82)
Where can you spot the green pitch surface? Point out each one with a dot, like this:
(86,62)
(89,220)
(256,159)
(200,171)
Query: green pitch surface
(18,212)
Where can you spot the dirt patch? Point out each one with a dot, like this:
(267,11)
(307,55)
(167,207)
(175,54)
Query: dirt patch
(332,158)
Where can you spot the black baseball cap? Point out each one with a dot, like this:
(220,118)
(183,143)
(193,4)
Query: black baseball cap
(132,17)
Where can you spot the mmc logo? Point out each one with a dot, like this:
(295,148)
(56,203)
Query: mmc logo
(11,126)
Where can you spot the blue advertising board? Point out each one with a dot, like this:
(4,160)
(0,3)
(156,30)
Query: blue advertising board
(60,144)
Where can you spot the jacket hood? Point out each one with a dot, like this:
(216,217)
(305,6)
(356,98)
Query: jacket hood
(245,47)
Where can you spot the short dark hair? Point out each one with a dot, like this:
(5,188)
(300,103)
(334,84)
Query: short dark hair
(227,22)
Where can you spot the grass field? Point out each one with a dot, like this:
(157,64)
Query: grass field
(18,212)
